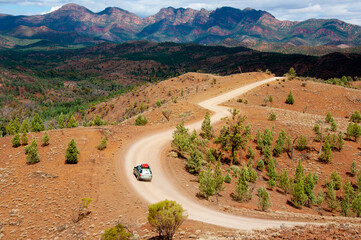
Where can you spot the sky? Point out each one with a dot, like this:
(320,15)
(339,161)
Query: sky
(294,10)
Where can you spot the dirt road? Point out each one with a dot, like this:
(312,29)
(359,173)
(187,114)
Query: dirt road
(149,150)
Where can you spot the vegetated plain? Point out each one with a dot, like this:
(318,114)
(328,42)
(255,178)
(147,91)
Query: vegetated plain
(41,187)
(72,81)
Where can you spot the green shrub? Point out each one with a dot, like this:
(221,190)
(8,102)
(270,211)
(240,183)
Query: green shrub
(264,201)
(45,139)
(353,130)
(16,140)
(356,117)
(72,152)
(103,144)
(272,116)
(166,216)
(159,103)
(290,99)
(116,233)
(98,121)
(329,118)
(228,178)
(140,120)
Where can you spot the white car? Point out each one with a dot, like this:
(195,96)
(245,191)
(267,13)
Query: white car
(143,172)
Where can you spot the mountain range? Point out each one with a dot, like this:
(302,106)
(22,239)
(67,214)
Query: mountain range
(74,24)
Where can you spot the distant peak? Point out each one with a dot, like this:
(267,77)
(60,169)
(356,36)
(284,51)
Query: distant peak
(72,6)
(110,10)
(248,9)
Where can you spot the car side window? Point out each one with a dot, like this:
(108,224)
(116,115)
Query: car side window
(140,171)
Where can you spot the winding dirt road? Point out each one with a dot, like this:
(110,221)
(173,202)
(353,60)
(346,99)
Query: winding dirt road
(149,150)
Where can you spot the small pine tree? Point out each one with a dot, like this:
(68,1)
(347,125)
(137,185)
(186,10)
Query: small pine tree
(45,139)
(260,165)
(32,154)
(292,73)
(356,205)
(250,153)
(16,140)
(290,99)
(103,144)
(353,130)
(37,124)
(279,144)
(333,126)
(241,191)
(339,141)
(301,143)
(336,179)
(284,182)
(61,121)
(194,162)
(299,198)
(24,138)
(72,152)
(356,117)
(264,201)
(218,178)
(326,155)
(310,182)
(331,198)
(353,168)
(207,183)
(345,206)
(72,123)
(271,172)
(348,190)
(33,144)
(317,131)
(329,118)
(207,130)
(252,174)
(24,126)
(228,178)
(300,172)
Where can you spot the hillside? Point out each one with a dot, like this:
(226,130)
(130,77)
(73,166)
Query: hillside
(76,24)
(50,190)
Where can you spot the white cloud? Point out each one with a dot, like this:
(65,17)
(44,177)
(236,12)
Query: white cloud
(53,9)
(309,9)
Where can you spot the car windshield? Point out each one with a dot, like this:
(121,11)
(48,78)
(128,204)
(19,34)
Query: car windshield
(146,171)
